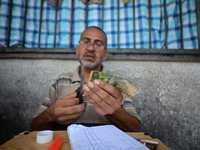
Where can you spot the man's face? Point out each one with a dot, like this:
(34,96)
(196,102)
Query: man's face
(89,56)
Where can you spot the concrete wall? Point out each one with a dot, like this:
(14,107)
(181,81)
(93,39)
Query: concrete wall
(168,101)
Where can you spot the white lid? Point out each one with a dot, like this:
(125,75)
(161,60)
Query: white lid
(45,136)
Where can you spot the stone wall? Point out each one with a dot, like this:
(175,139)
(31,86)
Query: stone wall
(168,101)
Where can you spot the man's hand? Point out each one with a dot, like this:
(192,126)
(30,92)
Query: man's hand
(105,98)
(66,110)
(107,102)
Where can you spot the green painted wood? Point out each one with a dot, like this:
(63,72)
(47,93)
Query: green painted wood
(38,50)
(127,51)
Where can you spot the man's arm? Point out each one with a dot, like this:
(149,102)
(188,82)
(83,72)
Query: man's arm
(124,121)
(63,111)
(43,122)
(107,102)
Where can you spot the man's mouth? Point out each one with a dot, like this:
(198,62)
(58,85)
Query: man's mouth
(89,56)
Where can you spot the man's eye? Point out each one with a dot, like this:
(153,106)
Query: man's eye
(98,44)
(86,42)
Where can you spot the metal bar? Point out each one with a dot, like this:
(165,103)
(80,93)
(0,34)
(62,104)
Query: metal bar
(198,21)
(55,29)
(102,14)
(149,7)
(165,18)
(71,23)
(118,24)
(181,23)
(24,29)
(86,18)
(9,23)
(134,40)
(40,26)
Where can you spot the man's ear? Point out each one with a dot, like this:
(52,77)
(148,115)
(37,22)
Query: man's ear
(77,49)
(106,54)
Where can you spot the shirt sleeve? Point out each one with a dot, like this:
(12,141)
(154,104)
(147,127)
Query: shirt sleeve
(49,99)
(128,106)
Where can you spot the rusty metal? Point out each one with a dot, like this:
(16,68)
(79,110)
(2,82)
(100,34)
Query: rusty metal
(9,23)
(165,18)
(86,17)
(71,23)
(134,40)
(55,28)
(118,23)
(198,21)
(181,23)
(24,29)
(149,7)
(102,14)
(40,26)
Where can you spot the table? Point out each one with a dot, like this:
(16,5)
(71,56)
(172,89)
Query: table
(28,141)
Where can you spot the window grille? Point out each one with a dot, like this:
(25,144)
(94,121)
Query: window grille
(117,48)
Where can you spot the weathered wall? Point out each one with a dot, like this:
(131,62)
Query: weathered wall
(168,101)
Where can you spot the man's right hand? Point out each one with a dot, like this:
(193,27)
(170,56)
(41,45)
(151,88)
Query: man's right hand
(64,111)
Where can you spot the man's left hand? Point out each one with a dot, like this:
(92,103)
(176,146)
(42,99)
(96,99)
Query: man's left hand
(105,97)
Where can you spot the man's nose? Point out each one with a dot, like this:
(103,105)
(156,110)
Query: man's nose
(91,47)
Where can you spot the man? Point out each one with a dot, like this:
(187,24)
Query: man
(103,103)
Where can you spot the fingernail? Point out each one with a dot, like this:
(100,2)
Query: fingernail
(86,88)
(90,85)
(96,82)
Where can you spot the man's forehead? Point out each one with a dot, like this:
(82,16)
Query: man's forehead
(93,33)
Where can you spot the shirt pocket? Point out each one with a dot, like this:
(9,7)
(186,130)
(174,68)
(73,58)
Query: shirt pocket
(66,89)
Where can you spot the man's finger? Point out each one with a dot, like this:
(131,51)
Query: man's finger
(67,102)
(100,108)
(109,88)
(72,95)
(101,94)
(103,102)
(68,118)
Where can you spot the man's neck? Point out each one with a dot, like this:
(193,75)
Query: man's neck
(86,73)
